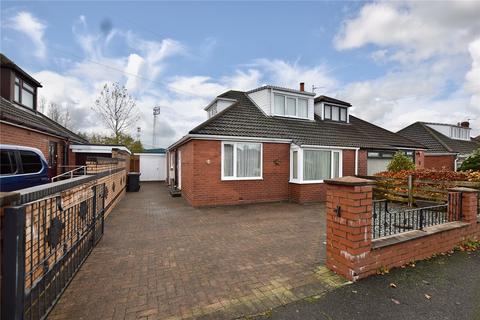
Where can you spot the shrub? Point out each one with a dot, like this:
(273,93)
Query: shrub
(472,162)
(400,162)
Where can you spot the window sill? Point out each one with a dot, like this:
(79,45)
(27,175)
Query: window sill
(306,182)
(241,179)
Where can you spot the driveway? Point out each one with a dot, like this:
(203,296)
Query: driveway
(162,259)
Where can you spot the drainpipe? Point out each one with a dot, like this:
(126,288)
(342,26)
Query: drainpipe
(356,161)
(455,163)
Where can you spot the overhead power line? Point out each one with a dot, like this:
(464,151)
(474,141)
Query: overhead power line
(132,74)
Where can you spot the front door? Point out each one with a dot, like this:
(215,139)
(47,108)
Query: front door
(52,159)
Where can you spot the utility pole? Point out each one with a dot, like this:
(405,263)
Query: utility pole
(156,113)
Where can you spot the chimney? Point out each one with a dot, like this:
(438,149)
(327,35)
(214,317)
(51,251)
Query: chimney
(302,86)
(465,124)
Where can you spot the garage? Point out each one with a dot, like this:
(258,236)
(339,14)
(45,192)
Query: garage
(377,161)
(152,165)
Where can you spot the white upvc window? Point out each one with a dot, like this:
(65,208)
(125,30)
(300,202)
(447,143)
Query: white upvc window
(312,165)
(290,106)
(335,113)
(242,161)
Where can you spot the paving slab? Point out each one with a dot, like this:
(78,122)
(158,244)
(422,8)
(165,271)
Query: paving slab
(162,259)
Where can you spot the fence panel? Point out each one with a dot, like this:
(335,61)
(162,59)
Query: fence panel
(388,220)
(48,240)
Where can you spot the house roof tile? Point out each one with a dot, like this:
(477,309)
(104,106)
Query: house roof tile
(436,141)
(244,119)
(10,112)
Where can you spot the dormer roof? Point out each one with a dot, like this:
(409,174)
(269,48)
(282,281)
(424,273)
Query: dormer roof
(282,89)
(332,100)
(9,64)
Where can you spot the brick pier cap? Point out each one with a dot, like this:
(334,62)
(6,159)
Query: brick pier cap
(350,181)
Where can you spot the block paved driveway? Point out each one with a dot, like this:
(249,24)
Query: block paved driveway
(162,259)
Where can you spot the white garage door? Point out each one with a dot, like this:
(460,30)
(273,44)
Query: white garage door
(376,165)
(152,167)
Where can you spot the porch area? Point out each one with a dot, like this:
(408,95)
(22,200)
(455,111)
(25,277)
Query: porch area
(159,258)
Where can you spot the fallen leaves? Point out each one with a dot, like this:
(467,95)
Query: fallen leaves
(392,285)
(427,296)
(395,301)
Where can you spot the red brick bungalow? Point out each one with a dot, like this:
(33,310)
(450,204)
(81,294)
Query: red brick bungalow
(275,144)
(22,124)
(448,144)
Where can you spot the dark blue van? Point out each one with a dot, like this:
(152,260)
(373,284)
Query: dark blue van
(21,167)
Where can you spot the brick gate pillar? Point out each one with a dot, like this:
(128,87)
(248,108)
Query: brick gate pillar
(468,206)
(349,225)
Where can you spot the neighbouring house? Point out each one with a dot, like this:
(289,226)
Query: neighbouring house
(448,144)
(274,144)
(22,124)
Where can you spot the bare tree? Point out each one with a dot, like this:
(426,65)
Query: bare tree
(67,118)
(117,109)
(42,104)
(55,112)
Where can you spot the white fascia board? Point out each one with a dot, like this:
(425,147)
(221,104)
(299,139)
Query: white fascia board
(217,99)
(328,147)
(225,138)
(86,148)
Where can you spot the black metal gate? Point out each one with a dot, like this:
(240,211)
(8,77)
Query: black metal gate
(45,243)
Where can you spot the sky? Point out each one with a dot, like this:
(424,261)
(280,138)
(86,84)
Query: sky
(396,62)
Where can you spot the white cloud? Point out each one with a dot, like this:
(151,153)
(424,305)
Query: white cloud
(33,28)
(427,45)
(473,76)
(283,73)
(414,30)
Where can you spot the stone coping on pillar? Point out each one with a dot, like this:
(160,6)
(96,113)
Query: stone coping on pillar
(350,181)
(463,189)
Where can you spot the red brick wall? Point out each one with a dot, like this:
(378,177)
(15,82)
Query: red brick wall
(187,154)
(351,251)
(348,162)
(438,162)
(419,159)
(362,163)
(302,193)
(202,184)
(201,176)
(19,136)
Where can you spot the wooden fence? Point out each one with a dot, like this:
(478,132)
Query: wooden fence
(411,190)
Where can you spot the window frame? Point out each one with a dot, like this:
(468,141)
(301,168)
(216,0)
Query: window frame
(300,179)
(340,109)
(285,97)
(222,161)
(22,87)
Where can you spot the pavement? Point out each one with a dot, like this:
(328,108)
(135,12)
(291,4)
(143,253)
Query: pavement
(159,258)
(445,287)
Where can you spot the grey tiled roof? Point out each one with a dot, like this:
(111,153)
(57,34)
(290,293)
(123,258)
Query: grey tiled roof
(28,118)
(244,119)
(331,100)
(436,141)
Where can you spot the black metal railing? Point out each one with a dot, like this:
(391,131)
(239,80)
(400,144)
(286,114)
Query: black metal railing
(47,240)
(389,220)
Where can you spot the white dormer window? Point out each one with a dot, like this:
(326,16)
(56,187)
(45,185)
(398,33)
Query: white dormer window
(459,133)
(212,111)
(335,113)
(290,106)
